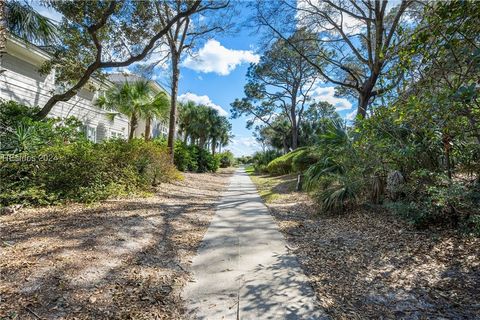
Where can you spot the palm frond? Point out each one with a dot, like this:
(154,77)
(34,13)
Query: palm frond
(326,166)
(26,23)
(338,196)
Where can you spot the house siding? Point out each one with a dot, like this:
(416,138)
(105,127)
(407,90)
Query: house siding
(21,82)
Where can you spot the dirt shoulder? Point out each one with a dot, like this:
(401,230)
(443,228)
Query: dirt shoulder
(121,259)
(371,265)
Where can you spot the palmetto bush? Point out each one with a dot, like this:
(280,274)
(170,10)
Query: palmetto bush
(381,161)
(20,132)
(338,192)
(336,178)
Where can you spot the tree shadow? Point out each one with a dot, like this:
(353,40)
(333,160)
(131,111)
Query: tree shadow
(371,265)
(289,295)
(120,259)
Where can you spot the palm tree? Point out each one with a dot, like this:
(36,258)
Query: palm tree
(220,132)
(135,100)
(118,98)
(23,21)
(199,125)
(204,126)
(186,118)
(226,136)
(209,120)
(155,107)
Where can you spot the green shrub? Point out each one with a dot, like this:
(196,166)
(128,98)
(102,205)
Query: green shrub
(416,214)
(194,159)
(244,160)
(472,225)
(83,171)
(303,159)
(261,159)
(206,162)
(19,131)
(12,113)
(260,168)
(283,165)
(432,199)
(183,157)
(226,159)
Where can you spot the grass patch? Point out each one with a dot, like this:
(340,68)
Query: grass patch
(250,170)
(272,188)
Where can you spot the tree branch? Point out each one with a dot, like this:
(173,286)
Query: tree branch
(98,64)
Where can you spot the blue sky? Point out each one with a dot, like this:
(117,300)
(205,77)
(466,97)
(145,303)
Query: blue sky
(217,76)
(223,89)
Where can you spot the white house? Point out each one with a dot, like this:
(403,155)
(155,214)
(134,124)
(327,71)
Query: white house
(20,81)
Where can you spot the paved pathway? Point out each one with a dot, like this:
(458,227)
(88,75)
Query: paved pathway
(243,269)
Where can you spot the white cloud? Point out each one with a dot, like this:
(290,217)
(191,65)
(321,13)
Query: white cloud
(328,94)
(214,57)
(205,100)
(243,146)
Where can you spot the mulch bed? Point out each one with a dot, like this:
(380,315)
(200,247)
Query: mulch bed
(369,264)
(120,259)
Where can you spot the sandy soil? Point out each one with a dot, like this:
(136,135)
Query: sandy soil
(369,264)
(120,259)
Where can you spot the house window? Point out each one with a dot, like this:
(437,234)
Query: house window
(116,135)
(91,133)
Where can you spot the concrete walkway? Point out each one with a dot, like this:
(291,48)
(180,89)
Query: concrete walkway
(243,269)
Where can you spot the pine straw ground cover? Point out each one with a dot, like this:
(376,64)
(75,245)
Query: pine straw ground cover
(371,265)
(120,259)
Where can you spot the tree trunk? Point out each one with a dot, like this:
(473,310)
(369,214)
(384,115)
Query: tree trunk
(294,131)
(367,92)
(173,105)
(285,145)
(299,185)
(214,144)
(133,126)
(3,31)
(362,105)
(148,124)
(446,147)
(201,142)
(293,116)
